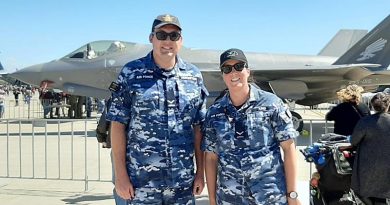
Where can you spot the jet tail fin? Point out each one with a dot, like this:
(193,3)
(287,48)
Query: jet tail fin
(2,71)
(342,41)
(372,48)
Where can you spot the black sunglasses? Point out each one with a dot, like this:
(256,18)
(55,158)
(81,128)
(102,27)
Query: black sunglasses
(238,67)
(162,35)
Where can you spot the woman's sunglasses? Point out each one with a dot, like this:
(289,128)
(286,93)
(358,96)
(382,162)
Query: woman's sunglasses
(238,67)
(162,35)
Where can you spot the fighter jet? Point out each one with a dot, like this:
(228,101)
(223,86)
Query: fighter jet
(306,80)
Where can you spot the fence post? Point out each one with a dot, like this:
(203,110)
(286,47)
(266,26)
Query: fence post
(7,147)
(86,155)
(28,111)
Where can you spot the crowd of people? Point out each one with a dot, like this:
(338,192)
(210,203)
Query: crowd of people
(55,103)
(6,89)
(71,106)
(369,132)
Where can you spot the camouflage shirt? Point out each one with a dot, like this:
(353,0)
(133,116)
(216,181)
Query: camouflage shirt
(159,109)
(247,144)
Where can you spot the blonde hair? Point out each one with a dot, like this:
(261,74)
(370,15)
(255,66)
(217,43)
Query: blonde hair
(352,93)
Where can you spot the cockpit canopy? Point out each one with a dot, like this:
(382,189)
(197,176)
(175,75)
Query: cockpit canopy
(99,48)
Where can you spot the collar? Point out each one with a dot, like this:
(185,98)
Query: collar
(254,93)
(227,104)
(151,64)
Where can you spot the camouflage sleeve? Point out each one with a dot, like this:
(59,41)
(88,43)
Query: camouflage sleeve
(283,125)
(120,108)
(201,111)
(209,142)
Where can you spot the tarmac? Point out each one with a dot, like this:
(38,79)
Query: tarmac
(15,191)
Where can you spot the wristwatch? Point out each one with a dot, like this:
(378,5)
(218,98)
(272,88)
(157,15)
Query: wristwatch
(292,195)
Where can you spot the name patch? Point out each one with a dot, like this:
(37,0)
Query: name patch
(188,78)
(218,115)
(144,77)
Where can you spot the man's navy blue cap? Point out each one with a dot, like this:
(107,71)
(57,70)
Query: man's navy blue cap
(165,19)
(232,54)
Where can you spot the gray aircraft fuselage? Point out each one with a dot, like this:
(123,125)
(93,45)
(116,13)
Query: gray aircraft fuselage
(92,77)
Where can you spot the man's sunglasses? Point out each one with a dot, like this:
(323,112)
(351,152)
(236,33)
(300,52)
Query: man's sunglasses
(162,35)
(238,67)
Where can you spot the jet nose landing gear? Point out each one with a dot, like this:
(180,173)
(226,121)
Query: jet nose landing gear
(297,121)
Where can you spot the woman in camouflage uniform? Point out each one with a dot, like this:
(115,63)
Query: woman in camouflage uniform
(244,131)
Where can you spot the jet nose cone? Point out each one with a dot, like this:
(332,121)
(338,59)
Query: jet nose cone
(31,75)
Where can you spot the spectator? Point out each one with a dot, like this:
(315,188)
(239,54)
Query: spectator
(89,106)
(16,95)
(47,98)
(2,102)
(72,101)
(81,100)
(346,114)
(371,170)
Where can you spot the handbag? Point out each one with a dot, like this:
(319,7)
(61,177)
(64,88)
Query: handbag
(343,165)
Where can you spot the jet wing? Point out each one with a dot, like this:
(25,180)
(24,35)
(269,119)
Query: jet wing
(310,85)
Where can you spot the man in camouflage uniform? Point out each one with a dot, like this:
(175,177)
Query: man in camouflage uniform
(243,132)
(158,104)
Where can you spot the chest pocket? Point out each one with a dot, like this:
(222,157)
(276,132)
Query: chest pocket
(146,102)
(225,135)
(189,97)
(259,128)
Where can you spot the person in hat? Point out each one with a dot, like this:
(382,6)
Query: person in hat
(243,133)
(158,104)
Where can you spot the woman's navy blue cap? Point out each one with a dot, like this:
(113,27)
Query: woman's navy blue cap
(232,54)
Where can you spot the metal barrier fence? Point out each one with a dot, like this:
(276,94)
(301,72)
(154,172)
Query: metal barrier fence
(59,149)
(67,149)
(33,109)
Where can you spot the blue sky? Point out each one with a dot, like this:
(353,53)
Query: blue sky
(38,31)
